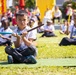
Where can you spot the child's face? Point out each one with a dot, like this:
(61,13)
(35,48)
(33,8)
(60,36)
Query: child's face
(22,21)
(48,23)
(65,23)
(5,23)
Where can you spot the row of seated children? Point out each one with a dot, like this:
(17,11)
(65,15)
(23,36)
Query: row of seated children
(70,29)
(65,28)
(25,51)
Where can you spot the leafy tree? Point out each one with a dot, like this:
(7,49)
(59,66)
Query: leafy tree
(30,3)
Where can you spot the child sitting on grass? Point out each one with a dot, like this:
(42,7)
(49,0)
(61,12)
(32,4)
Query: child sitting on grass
(49,29)
(63,27)
(25,51)
(5,39)
(72,31)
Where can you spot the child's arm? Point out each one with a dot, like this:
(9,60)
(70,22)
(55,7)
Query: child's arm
(48,30)
(5,37)
(17,42)
(26,41)
(67,30)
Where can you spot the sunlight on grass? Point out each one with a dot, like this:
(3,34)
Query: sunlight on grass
(47,48)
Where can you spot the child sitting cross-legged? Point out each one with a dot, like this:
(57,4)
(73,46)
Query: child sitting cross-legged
(24,51)
(49,29)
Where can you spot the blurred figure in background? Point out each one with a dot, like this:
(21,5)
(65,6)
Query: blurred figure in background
(72,31)
(57,14)
(40,29)
(69,12)
(9,15)
(47,16)
(49,29)
(63,27)
(37,13)
(5,39)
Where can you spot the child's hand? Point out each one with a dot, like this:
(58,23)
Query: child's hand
(0,35)
(16,35)
(24,34)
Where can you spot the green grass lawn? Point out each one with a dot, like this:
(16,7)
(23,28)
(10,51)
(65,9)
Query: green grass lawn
(48,48)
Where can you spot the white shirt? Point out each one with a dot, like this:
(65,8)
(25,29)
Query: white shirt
(29,35)
(48,14)
(72,22)
(69,12)
(57,13)
(72,30)
(40,29)
(5,35)
(63,27)
(34,32)
(51,27)
(37,12)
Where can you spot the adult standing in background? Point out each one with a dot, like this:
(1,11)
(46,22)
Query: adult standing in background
(69,12)
(47,16)
(57,14)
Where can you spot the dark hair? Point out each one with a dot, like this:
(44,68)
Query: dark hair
(32,20)
(4,22)
(21,13)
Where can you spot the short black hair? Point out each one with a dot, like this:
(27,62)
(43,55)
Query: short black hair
(21,13)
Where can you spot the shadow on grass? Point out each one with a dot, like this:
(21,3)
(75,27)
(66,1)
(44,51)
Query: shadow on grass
(3,63)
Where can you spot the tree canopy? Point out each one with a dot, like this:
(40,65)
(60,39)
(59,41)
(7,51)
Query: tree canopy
(28,3)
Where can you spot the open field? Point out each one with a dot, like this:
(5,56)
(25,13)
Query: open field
(48,49)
